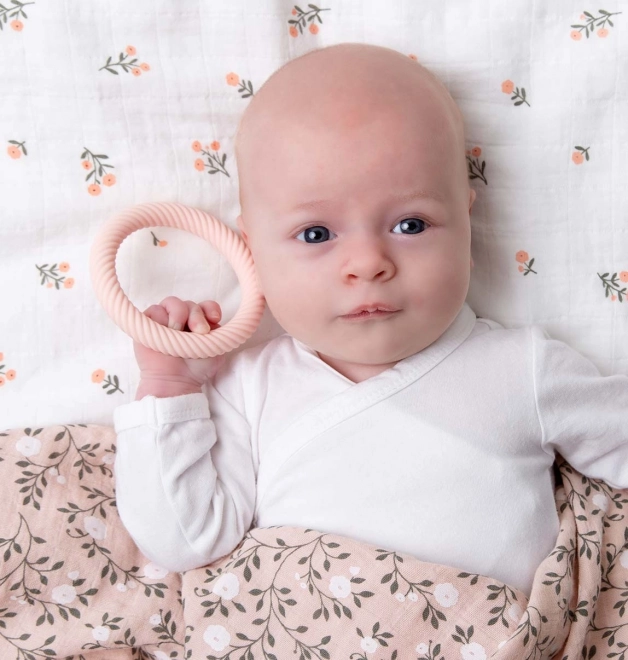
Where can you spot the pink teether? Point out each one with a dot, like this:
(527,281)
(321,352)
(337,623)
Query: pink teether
(140,327)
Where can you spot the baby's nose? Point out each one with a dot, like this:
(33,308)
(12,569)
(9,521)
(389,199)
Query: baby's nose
(367,259)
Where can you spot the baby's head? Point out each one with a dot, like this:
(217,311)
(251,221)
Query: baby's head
(354,194)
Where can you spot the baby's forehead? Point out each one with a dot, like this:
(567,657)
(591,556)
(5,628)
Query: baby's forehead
(344,86)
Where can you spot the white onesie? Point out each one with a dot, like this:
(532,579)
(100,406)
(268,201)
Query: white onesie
(447,456)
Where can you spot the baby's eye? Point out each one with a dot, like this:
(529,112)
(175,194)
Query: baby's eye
(315,235)
(410,226)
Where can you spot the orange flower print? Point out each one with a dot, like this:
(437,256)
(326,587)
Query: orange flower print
(593,24)
(215,163)
(5,375)
(476,170)
(580,154)
(303,18)
(525,266)
(14,11)
(16,149)
(99,376)
(507,88)
(128,66)
(612,287)
(157,242)
(51,278)
(245,88)
(93,162)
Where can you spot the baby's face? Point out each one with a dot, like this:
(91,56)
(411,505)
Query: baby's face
(357,217)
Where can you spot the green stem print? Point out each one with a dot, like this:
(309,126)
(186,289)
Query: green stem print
(371,643)
(612,286)
(245,87)
(15,12)
(22,572)
(304,17)
(128,66)
(35,475)
(580,155)
(594,24)
(415,589)
(215,163)
(99,376)
(525,263)
(157,242)
(51,278)
(475,168)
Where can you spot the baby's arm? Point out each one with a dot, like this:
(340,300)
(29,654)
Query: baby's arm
(583,415)
(185,496)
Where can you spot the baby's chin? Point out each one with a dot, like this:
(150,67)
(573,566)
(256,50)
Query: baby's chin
(373,354)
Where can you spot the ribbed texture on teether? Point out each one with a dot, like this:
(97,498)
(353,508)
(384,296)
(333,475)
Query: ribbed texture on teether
(146,331)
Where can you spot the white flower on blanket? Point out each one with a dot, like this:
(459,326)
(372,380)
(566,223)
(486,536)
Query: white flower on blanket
(28,446)
(623,559)
(95,528)
(100,633)
(217,637)
(515,612)
(155,620)
(473,651)
(600,500)
(422,649)
(369,645)
(446,594)
(155,571)
(227,586)
(340,586)
(64,594)
(160,655)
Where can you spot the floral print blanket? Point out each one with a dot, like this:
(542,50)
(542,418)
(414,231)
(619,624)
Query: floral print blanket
(73,584)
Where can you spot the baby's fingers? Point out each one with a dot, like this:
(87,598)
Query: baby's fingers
(157,313)
(177,312)
(197,321)
(212,311)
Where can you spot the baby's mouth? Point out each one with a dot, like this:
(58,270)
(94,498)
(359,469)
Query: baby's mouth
(371,312)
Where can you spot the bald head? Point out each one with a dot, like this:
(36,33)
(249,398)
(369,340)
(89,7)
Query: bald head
(342,87)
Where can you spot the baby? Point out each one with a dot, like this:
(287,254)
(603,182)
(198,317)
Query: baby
(387,412)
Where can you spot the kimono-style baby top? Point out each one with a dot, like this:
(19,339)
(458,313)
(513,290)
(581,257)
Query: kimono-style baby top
(447,456)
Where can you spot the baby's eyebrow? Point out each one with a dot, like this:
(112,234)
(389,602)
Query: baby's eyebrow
(317,204)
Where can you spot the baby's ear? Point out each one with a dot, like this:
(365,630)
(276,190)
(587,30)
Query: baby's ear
(240,224)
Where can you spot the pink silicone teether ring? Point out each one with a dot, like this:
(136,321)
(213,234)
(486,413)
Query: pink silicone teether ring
(139,326)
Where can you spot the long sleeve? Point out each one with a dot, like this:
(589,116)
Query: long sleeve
(583,415)
(185,496)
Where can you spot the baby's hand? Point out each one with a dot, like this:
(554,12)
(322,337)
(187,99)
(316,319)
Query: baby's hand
(170,374)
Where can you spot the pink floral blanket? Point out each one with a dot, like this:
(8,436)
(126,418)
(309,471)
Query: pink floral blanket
(73,585)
